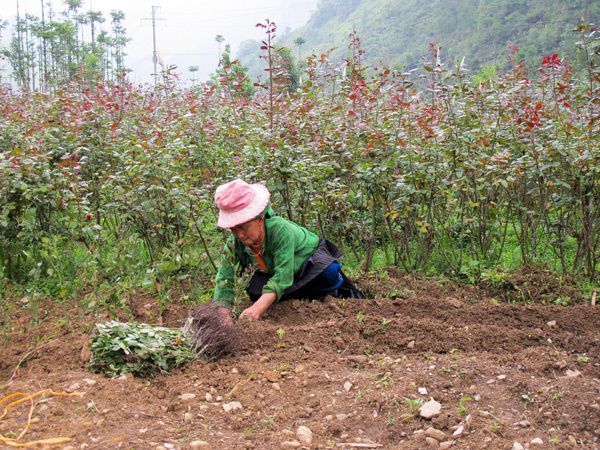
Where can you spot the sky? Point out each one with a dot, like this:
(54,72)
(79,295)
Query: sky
(186,31)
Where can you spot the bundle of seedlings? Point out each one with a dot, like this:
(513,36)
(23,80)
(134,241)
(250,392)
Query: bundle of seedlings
(139,349)
(143,350)
(212,333)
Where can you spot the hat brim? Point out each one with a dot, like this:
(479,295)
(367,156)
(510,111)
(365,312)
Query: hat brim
(258,205)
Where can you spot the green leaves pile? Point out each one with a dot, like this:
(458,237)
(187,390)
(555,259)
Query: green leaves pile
(140,349)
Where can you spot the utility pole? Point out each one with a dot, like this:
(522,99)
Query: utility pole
(154,52)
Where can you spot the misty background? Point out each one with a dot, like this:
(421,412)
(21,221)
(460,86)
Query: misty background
(185,31)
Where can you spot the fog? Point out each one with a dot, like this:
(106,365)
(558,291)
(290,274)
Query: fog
(185,30)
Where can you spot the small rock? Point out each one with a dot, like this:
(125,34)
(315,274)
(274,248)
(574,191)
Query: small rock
(74,387)
(290,445)
(208,397)
(446,444)
(517,446)
(477,397)
(347,386)
(234,370)
(523,423)
(304,434)
(219,398)
(89,381)
(35,420)
(276,386)
(422,391)
(125,377)
(438,435)
(188,417)
(467,422)
(341,417)
(263,359)
(199,444)
(430,409)
(572,373)
(232,406)
(459,431)
(358,359)
(169,446)
(272,376)
(431,442)
(300,368)
(572,440)
(187,396)
(142,430)
(501,377)
(411,344)
(552,323)
(537,441)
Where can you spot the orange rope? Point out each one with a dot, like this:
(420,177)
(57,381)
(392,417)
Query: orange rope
(26,397)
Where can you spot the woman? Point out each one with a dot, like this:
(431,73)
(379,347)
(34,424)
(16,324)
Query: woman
(290,261)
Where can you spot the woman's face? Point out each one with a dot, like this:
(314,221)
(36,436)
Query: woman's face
(251,233)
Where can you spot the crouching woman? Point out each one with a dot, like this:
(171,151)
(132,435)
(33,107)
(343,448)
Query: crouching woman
(291,262)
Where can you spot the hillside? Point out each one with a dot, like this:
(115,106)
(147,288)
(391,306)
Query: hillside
(397,32)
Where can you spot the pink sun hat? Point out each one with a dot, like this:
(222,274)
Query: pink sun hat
(239,202)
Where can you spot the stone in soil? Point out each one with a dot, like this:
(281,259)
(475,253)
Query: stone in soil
(187,396)
(438,435)
(232,406)
(304,434)
(431,442)
(430,409)
(199,444)
(459,431)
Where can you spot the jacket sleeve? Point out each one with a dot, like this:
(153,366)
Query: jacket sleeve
(283,260)
(224,293)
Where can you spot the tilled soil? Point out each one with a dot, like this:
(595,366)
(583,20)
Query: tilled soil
(352,371)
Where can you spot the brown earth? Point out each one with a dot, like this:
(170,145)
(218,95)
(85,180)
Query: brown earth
(349,370)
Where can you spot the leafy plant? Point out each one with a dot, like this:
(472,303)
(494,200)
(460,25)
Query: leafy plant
(462,405)
(411,407)
(140,349)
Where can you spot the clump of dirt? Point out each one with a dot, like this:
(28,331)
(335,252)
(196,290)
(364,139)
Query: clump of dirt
(533,283)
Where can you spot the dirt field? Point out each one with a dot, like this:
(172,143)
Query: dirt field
(351,372)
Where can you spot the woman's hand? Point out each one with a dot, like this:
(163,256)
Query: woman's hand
(259,307)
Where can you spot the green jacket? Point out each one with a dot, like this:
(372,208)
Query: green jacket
(287,247)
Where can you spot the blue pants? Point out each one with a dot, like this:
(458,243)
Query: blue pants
(328,281)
